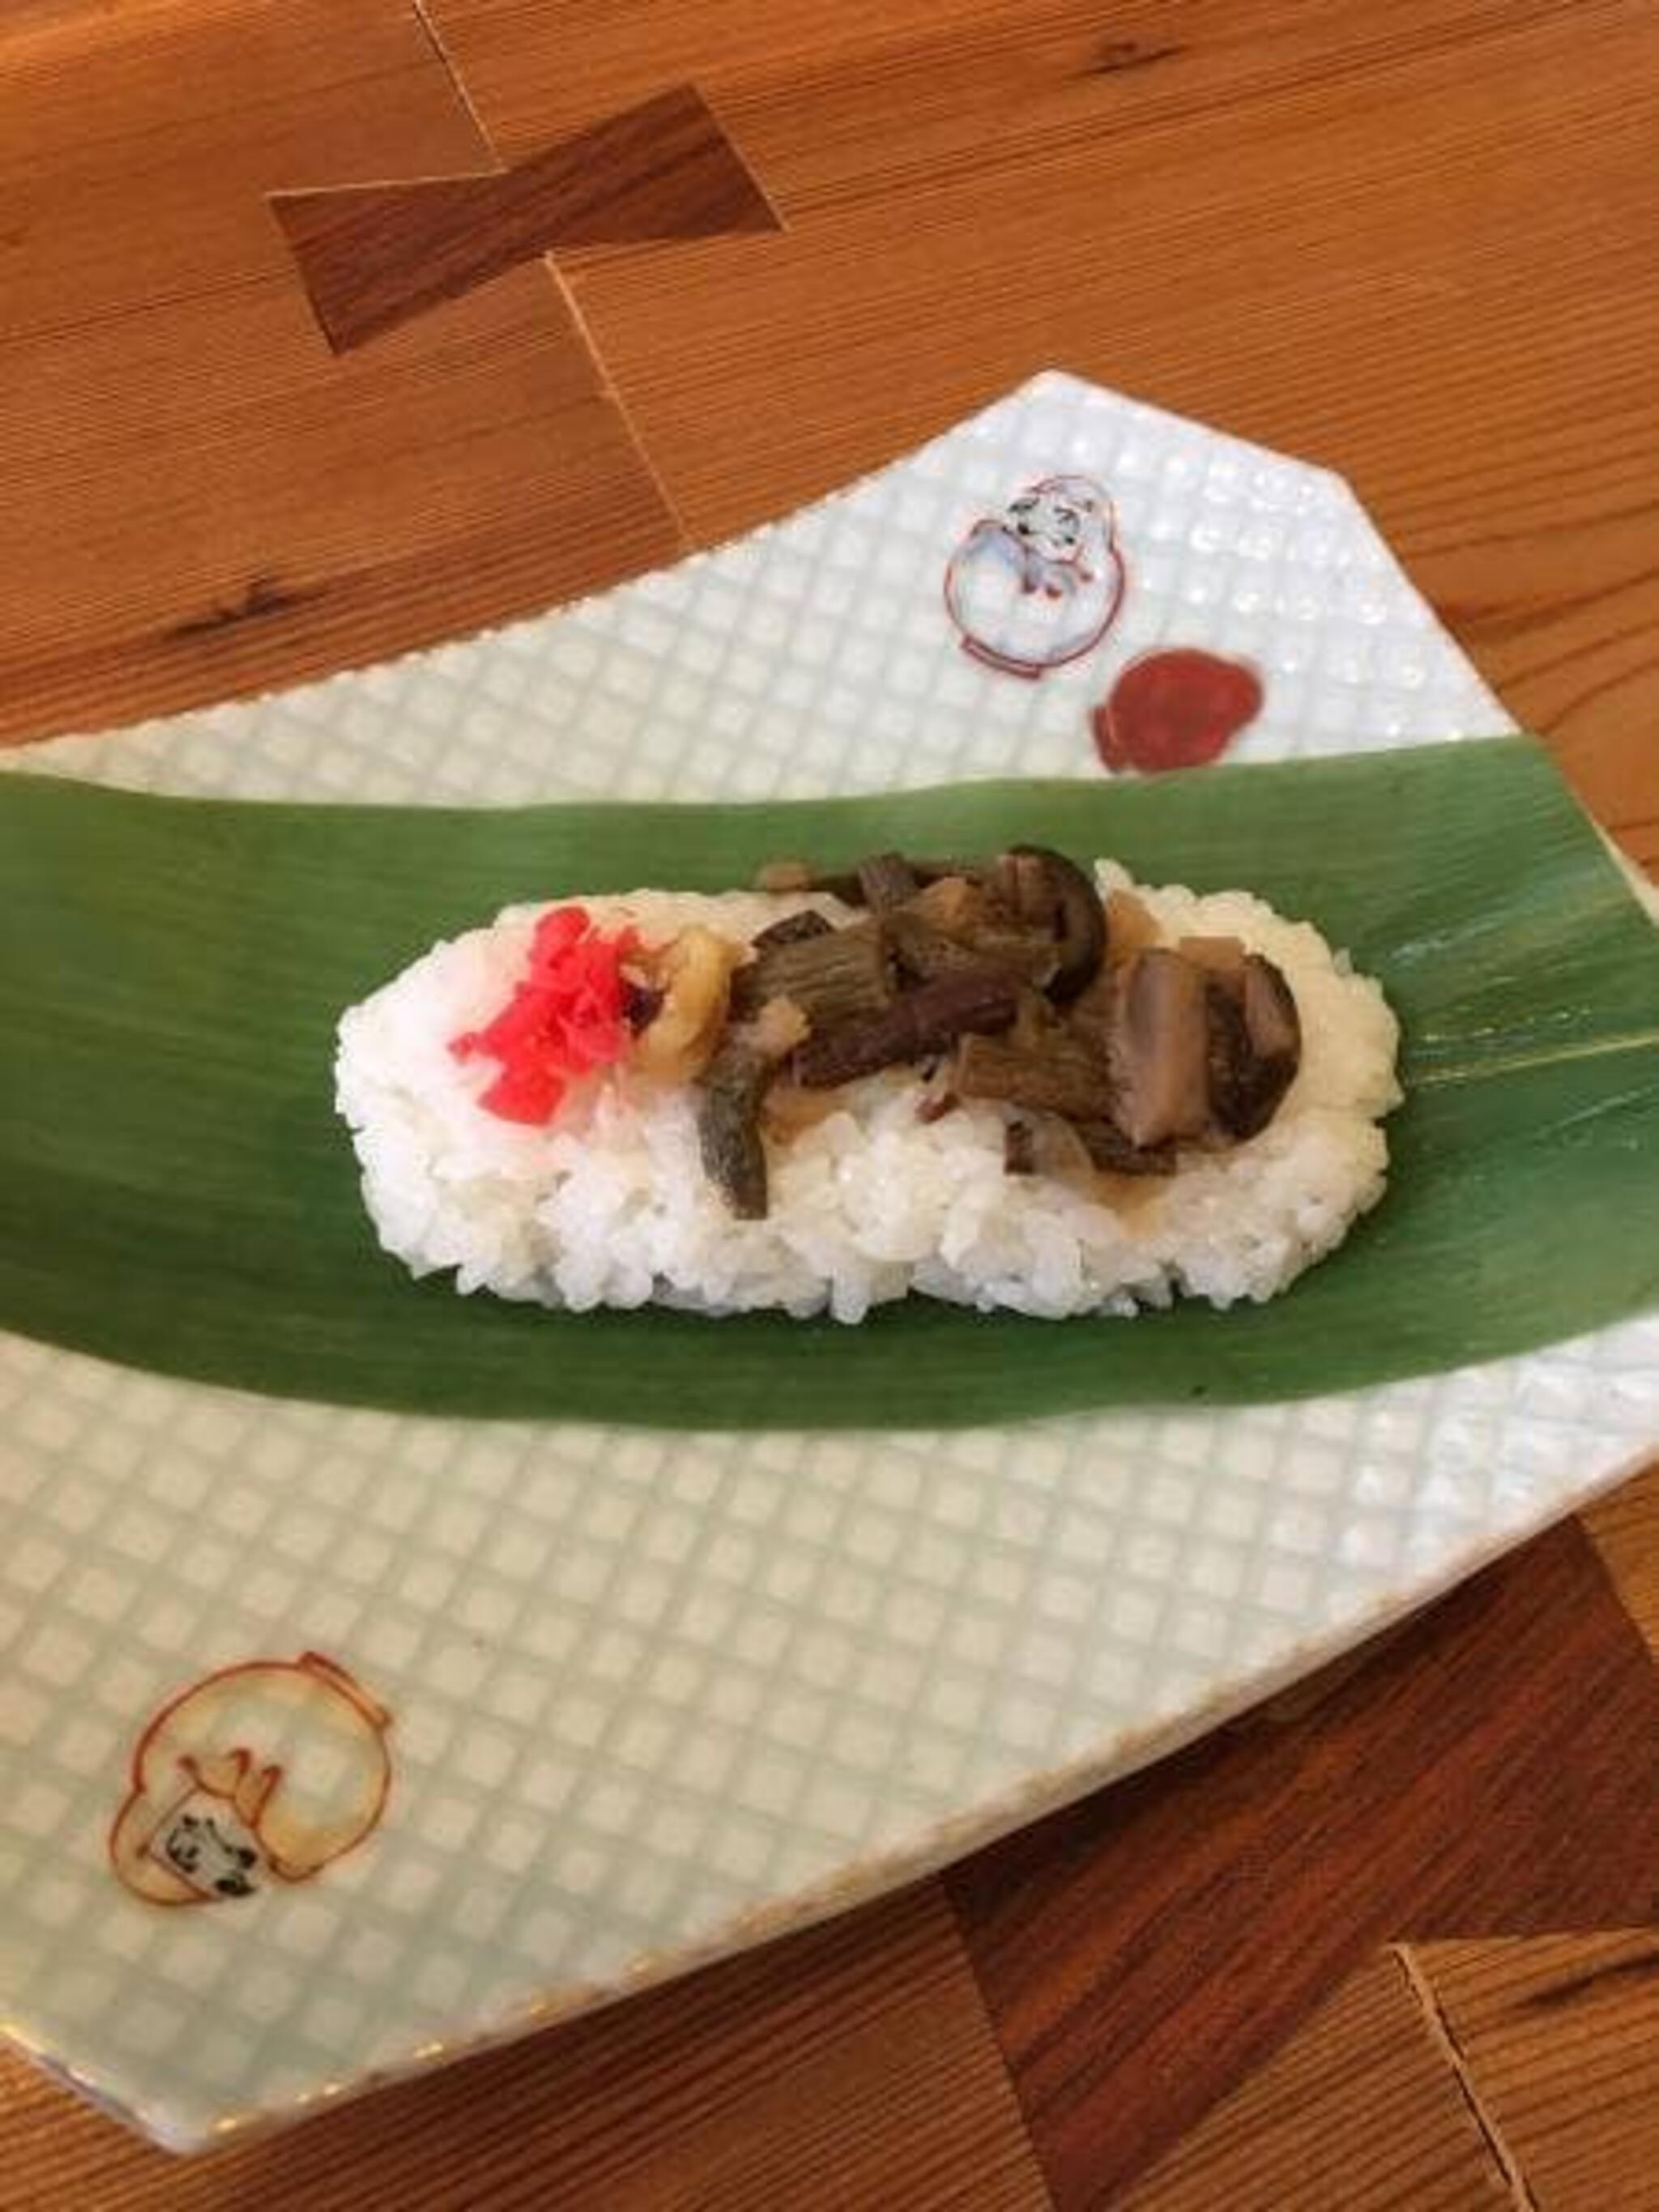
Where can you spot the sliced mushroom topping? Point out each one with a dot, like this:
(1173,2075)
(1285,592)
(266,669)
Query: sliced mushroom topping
(1129,927)
(1254,1047)
(1049,892)
(1018,882)
(915,1025)
(1093,1014)
(1270,1011)
(1229,1062)
(1220,956)
(1012,982)
(1160,1050)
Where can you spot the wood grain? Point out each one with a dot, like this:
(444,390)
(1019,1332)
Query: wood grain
(373,256)
(1359,2110)
(1625,1529)
(1496,1770)
(850,2067)
(1411,242)
(1560,2036)
(197,500)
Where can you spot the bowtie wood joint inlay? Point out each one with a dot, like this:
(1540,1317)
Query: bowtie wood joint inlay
(373,256)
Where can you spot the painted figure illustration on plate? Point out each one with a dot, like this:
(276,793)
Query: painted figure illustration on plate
(1041,584)
(272,1769)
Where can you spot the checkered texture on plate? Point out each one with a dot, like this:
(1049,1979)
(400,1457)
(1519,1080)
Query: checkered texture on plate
(642,1697)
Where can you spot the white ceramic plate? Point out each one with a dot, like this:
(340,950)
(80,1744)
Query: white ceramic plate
(613,1703)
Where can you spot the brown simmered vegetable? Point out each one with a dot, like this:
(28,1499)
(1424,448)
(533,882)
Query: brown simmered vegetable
(1037,1024)
(887,880)
(1019,1148)
(953,905)
(1107,1147)
(1044,890)
(1056,1075)
(1270,1011)
(1059,1151)
(1030,954)
(845,884)
(1093,1015)
(930,872)
(914,1025)
(921,950)
(1018,883)
(1011,982)
(830,976)
(924,950)
(793,929)
(1160,1049)
(1254,1047)
(730,1093)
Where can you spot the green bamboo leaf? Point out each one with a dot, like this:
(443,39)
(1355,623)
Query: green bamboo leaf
(175,1191)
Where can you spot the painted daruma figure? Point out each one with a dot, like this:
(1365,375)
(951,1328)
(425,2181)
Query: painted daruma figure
(1041,584)
(272,1769)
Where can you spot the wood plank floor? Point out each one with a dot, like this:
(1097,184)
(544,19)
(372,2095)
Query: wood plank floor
(197,499)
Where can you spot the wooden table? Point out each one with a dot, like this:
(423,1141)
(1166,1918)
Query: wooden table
(1400,1944)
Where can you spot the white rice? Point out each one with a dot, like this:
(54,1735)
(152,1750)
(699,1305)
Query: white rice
(609,1204)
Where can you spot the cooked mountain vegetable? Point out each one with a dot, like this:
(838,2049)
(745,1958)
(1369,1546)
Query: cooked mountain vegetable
(913,1026)
(886,880)
(1057,1073)
(1049,891)
(831,975)
(1158,1048)
(731,1091)
(1004,1082)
